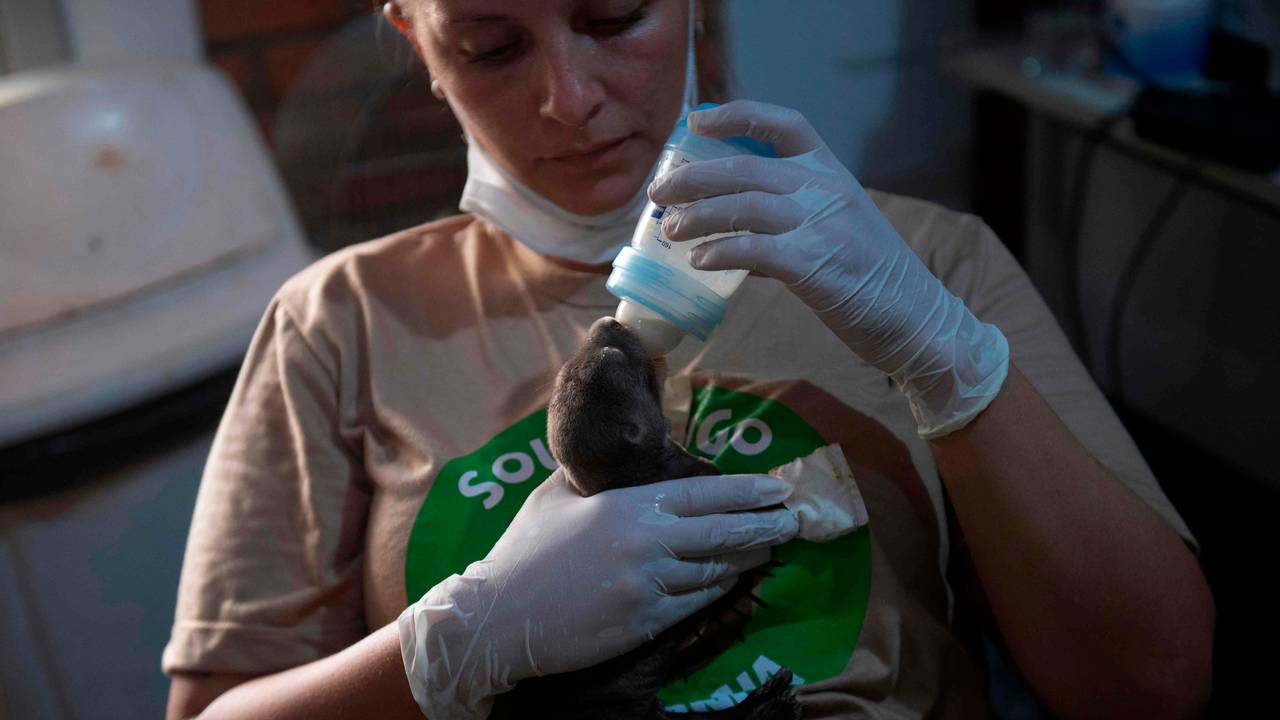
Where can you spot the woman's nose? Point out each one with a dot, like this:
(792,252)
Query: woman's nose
(572,92)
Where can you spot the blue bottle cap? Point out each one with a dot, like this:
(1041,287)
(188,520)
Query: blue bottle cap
(681,300)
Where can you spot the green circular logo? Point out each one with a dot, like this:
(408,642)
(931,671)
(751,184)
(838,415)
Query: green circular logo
(814,604)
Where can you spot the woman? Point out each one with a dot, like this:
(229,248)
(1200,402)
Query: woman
(388,411)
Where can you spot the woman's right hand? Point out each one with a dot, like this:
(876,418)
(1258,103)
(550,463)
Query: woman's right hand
(809,223)
(577,580)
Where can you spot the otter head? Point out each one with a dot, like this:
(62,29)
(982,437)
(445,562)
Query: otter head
(605,424)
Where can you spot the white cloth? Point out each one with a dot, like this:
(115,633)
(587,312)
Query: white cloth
(824,495)
(538,223)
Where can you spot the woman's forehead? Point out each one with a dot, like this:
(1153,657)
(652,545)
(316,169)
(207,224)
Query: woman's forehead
(452,12)
(463,12)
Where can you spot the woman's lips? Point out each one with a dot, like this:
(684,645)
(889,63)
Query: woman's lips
(601,154)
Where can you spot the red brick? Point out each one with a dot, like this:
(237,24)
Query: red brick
(415,111)
(410,97)
(237,19)
(283,61)
(425,122)
(266,121)
(360,194)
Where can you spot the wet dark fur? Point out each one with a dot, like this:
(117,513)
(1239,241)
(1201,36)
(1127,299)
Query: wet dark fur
(606,428)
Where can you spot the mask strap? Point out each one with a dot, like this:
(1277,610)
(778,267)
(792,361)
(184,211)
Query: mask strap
(691,65)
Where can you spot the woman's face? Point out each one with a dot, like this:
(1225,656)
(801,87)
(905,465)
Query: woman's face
(573,97)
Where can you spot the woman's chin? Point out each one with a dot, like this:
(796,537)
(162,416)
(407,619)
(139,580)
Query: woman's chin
(602,197)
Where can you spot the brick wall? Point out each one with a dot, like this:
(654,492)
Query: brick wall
(364,147)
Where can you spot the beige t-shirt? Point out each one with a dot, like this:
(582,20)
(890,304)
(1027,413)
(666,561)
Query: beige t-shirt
(390,418)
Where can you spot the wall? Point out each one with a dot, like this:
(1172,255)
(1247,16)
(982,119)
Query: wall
(866,75)
(123,30)
(343,103)
(30,35)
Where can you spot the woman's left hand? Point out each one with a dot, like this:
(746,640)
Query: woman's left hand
(805,220)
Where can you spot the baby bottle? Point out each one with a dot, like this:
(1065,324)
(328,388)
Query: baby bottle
(663,297)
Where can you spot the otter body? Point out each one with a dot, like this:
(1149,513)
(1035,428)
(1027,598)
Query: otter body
(606,429)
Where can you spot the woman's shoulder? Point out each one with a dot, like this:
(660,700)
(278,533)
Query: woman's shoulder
(923,224)
(359,263)
(384,267)
(956,246)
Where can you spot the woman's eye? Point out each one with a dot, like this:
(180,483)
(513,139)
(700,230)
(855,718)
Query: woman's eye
(620,22)
(490,55)
(604,26)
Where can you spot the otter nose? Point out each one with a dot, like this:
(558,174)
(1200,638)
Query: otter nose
(608,332)
(605,331)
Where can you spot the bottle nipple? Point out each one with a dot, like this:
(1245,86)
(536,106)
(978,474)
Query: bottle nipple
(656,332)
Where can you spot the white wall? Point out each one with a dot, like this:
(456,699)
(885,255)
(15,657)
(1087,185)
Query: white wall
(107,31)
(31,34)
(866,76)
(36,33)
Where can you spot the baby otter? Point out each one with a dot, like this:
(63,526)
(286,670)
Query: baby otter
(606,428)
(604,422)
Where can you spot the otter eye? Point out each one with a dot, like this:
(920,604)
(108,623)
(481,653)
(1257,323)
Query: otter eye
(631,432)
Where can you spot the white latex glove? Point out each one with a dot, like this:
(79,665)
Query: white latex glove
(574,581)
(809,223)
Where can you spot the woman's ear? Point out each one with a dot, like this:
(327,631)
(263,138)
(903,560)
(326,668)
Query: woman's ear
(395,15)
(394,12)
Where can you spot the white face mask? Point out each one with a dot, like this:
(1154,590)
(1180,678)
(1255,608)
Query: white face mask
(546,228)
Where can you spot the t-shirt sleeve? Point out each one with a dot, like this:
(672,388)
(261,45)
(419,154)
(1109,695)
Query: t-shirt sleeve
(272,573)
(976,266)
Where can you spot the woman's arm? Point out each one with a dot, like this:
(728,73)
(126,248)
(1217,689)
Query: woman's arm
(1104,608)
(191,692)
(365,680)
(572,581)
